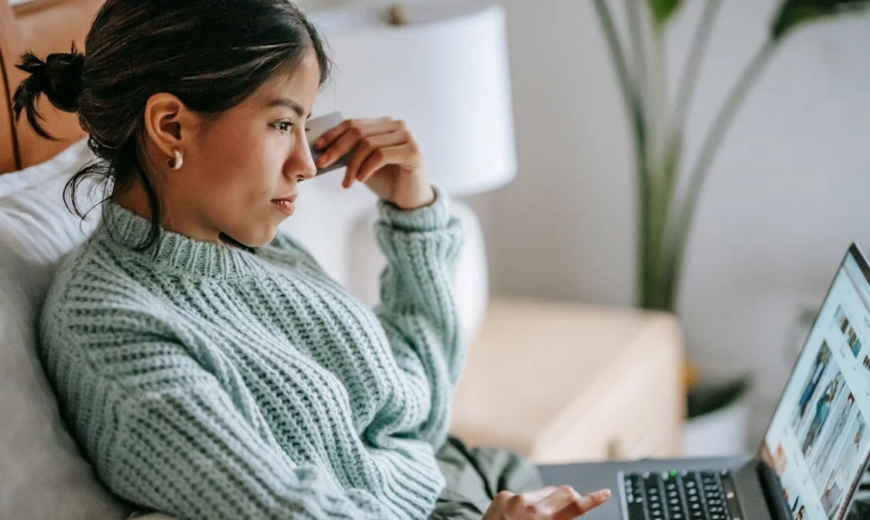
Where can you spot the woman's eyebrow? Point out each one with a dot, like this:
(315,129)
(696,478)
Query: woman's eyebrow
(287,102)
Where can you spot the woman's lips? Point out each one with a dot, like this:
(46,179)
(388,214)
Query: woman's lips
(285,205)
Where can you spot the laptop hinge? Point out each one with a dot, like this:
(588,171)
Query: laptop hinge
(772,487)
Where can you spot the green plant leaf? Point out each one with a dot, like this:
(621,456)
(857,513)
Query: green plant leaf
(662,10)
(793,13)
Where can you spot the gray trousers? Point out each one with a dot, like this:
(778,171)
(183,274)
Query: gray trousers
(475,475)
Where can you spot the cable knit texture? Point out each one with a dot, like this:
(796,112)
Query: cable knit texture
(210,382)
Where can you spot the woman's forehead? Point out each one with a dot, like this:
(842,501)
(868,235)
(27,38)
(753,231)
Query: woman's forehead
(300,85)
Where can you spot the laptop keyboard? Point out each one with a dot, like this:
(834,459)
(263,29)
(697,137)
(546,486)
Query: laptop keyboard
(681,495)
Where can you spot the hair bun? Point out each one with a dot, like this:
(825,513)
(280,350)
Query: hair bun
(59,77)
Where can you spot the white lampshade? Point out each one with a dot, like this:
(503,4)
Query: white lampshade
(445,72)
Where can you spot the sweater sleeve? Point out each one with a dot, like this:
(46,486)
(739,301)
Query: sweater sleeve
(418,308)
(187,450)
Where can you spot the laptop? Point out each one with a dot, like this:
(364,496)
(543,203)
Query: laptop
(814,452)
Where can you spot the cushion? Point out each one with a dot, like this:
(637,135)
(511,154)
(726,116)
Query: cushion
(43,474)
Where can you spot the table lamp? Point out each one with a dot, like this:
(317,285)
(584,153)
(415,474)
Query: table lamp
(442,67)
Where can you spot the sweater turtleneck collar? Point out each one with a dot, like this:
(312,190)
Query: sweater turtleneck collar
(177,251)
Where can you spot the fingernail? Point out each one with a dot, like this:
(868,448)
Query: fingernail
(604,493)
(319,142)
(322,160)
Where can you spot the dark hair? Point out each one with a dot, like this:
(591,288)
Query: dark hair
(211,54)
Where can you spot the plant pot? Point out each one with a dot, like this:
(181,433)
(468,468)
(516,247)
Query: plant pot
(718,419)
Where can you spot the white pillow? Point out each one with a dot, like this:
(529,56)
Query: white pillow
(42,473)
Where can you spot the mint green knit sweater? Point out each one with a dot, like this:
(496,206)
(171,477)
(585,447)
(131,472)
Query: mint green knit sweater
(212,382)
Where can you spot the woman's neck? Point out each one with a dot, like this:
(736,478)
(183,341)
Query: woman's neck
(135,199)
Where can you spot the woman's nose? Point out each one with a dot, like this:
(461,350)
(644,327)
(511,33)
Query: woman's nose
(309,169)
(302,164)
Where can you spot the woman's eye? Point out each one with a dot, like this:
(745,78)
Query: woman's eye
(284,126)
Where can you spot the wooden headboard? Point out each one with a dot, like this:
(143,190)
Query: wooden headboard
(42,27)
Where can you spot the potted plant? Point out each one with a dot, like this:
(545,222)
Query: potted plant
(668,189)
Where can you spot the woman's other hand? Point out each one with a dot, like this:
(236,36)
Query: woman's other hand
(386,158)
(549,503)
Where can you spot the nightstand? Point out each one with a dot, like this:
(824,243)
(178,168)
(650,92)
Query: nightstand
(563,382)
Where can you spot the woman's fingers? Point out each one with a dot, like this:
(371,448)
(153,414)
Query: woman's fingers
(328,137)
(540,494)
(592,500)
(549,503)
(567,504)
(375,143)
(341,139)
(366,147)
(561,504)
(383,157)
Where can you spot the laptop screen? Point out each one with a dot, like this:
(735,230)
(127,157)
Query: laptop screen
(818,440)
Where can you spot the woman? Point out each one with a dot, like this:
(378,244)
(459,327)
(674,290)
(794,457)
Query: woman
(207,365)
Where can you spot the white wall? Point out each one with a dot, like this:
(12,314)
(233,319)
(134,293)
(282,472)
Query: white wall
(786,196)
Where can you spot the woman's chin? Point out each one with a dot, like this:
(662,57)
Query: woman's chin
(257,238)
(266,238)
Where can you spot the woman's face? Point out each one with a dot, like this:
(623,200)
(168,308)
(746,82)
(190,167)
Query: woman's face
(246,159)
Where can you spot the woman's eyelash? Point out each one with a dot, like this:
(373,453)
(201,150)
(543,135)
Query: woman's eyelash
(279,125)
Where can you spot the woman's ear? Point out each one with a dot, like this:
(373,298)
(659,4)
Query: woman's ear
(168,123)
